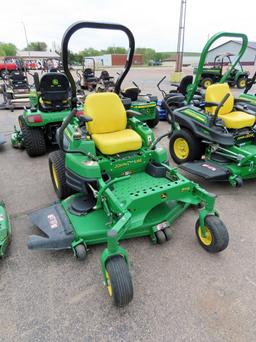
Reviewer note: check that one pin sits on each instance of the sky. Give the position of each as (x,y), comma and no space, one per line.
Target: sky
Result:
(153,23)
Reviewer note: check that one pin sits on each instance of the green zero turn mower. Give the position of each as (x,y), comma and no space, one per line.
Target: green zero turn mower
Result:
(5,229)
(146,104)
(218,140)
(121,184)
(213,74)
(50,103)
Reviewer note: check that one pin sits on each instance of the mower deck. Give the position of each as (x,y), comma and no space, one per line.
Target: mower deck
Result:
(92,226)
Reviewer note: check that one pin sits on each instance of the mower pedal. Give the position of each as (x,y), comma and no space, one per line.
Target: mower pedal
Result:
(53,222)
(207,170)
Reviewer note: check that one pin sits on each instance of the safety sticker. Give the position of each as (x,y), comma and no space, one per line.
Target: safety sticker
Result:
(210,167)
(53,223)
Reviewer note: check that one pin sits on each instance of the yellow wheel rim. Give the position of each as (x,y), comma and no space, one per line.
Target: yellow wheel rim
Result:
(207,84)
(207,240)
(181,148)
(109,287)
(55,178)
(242,83)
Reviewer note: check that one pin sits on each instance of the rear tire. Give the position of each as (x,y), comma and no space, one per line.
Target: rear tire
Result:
(168,115)
(119,281)
(33,138)
(58,177)
(206,82)
(185,147)
(152,123)
(241,82)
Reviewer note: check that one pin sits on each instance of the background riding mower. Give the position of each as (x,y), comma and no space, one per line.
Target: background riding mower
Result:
(49,105)
(146,105)
(217,141)
(125,188)
(88,80)
(213,74)
(105,82)
(176,98)
(5,229)
(15,90)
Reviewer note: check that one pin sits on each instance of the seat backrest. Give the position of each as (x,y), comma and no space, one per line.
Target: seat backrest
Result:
(54,86)
(216,93)
(187,80)
(88,72)
(107,112)
(104,75)
(132,93)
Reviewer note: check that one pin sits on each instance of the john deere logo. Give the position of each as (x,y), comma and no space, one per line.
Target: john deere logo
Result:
(55,82)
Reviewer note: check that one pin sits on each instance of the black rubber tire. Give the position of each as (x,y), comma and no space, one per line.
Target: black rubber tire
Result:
(57,159)
(33,137)
(219,234)
(168,233)
(239,182)
(241,82)
(160,237)
(204,80)
(196,147)
(168,115)
(80,251)
(152,123)
(120,280)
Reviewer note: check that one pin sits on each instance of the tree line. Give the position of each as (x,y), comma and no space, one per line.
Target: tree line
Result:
(9,49)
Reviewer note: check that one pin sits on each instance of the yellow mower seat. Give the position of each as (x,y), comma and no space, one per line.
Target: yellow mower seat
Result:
(108,125)
(232,119)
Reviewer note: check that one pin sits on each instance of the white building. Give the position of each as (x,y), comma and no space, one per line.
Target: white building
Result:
(233,47)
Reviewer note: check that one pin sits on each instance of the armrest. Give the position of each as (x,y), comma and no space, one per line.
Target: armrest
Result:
(142,129)
(175,85)
(132,113)
(210,104)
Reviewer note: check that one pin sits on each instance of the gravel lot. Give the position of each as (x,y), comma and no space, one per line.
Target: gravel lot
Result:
(182,293)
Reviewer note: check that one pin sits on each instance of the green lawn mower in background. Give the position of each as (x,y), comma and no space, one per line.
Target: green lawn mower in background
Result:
(5,229)
(114,183)
(50,103)
(146,104)
(213,74)
(216,140)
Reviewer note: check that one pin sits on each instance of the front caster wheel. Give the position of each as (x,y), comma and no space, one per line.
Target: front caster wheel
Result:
(119,281)
(216,238)
(80,251)
(168,233)
(160,237)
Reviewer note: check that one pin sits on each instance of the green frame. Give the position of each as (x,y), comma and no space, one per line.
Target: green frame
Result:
(192,88)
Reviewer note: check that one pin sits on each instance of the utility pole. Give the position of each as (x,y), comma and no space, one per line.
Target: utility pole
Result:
(180,46)
(26,37)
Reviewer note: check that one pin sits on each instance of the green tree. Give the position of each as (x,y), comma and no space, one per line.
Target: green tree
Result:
(8,49)
(115,50)
(89,52)
(36,46)
(147,53)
